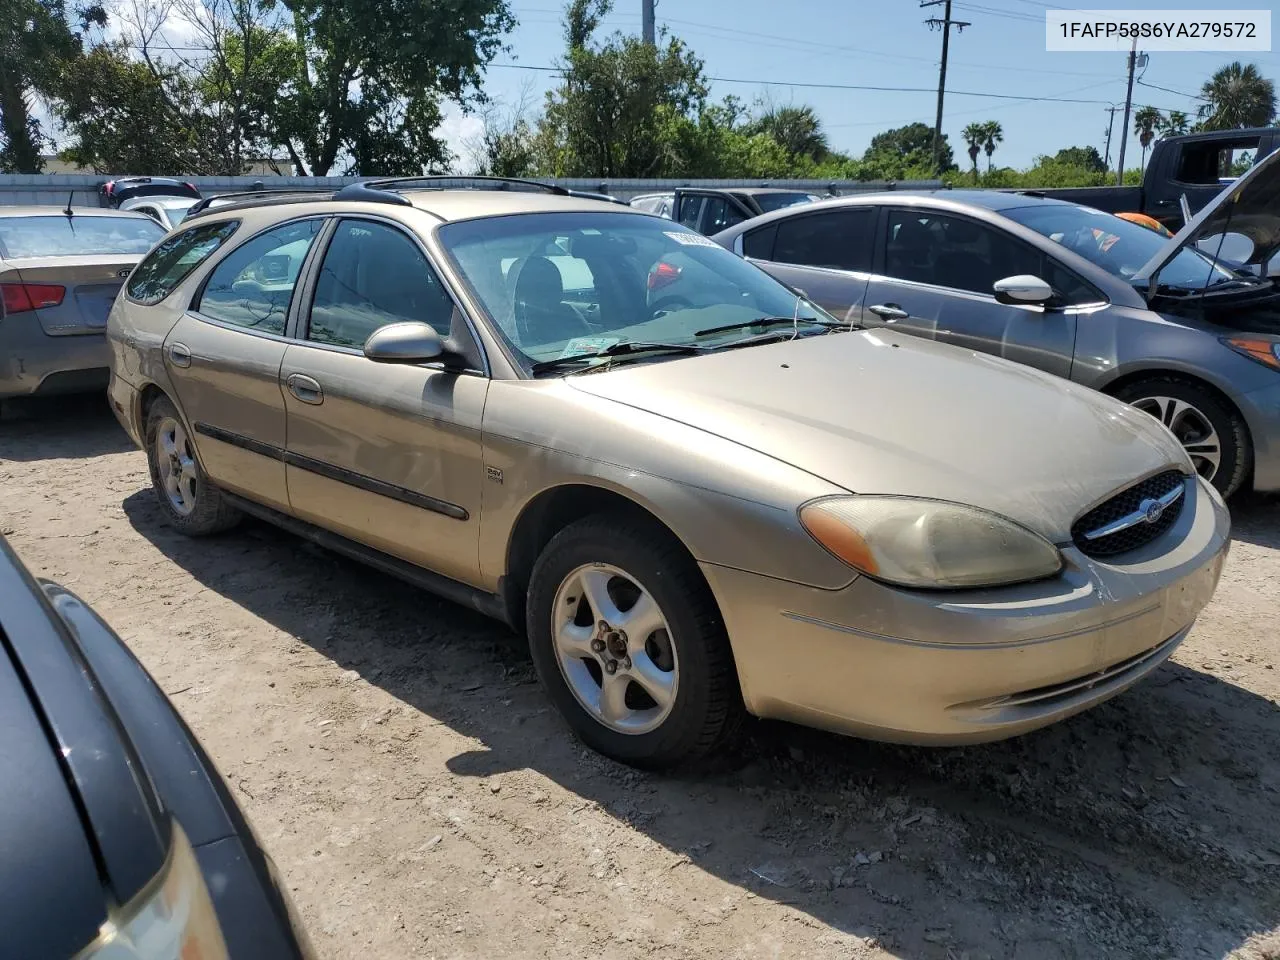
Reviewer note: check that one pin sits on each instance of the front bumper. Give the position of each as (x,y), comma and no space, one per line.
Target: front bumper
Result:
(964,667)
(34,363)
(1261,409)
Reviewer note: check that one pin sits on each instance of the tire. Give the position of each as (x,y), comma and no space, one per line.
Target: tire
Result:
(1186,408)
(198,509)
(705,712)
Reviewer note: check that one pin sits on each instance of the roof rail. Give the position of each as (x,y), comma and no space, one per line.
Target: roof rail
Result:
(253,198)
(380,191)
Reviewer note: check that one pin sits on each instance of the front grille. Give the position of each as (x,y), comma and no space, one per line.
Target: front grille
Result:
(1127,503)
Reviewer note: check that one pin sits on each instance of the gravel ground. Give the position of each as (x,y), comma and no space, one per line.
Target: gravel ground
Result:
(422,800)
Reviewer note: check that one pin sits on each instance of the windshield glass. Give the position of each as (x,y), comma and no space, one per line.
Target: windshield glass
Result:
(563,284)
(63,236)
(1118,246)
(177,210)
(776,201)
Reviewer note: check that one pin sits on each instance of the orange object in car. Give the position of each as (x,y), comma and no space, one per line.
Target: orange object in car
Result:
(1151,223)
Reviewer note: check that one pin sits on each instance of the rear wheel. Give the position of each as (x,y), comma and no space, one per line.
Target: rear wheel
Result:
(1213,434)
(191,503)
(629,645)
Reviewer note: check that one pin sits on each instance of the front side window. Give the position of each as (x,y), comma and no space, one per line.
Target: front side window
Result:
(690,208)
(253,285)
(169,263)
(840,239)
(650,281)
(1120,247)
(76,236)
(947,251)
(721,215)
(373,274)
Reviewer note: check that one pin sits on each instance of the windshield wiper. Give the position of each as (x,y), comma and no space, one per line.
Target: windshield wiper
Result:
(773,322)
(617,350)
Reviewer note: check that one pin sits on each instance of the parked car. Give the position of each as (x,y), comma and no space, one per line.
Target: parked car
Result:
(120,838)
(60,271)
(1195,166)
(163,199)
(1199,349)
(738,505)
(660,203)
(710,210)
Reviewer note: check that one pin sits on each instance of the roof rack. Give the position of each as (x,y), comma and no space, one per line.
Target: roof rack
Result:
(382,190)
(253,198)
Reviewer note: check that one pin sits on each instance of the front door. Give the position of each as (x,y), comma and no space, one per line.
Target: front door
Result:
(223,357)
(937,281)
(385,454)
(826,255)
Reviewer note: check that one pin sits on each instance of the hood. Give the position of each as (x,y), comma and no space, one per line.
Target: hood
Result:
(1249,206)
(883,413)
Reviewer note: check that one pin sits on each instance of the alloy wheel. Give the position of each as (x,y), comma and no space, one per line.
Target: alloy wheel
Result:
(1191,427)
(176,466)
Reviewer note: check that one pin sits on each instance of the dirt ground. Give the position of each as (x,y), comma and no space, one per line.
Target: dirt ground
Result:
(422,800)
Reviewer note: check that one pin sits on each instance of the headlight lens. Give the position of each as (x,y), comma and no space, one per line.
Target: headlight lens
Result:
(1266,352)
(928,543)
(172,919)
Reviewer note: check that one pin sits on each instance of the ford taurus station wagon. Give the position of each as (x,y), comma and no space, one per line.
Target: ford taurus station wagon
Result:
(732,503)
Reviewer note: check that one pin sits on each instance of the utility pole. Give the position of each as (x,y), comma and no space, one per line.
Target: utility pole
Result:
(946,23)
(646,22)
(1128,102)
(1111,123)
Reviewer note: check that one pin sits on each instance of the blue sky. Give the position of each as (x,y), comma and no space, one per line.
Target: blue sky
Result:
(886,43)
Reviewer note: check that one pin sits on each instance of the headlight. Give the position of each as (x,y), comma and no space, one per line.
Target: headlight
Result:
(1266,352)
(928,543)
(171,919)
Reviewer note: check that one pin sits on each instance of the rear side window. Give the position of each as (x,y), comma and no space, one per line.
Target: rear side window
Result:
(840,239)
(254,283)
(63,236)
(170,262)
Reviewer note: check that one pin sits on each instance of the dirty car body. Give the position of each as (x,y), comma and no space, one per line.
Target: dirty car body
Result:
(730,504)
(59,276)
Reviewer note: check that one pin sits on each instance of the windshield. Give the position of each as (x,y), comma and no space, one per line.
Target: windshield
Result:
(63,236)
(564,284)
(769,202)
(177,210)
(1118,246)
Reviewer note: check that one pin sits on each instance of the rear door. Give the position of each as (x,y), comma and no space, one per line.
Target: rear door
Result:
(224,358)
(387,454)
(825,254)
(71,268)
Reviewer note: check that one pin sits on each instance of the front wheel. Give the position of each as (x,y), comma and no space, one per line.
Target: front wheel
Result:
(629,645)
(1214,435)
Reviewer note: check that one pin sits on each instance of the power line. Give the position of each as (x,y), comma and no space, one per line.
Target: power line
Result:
(1179,93)
(945,24)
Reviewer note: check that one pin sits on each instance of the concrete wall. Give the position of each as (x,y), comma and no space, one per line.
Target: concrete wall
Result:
(54,189)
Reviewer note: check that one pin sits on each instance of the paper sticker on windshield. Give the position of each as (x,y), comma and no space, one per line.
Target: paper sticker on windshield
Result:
(583,346)
(690,239)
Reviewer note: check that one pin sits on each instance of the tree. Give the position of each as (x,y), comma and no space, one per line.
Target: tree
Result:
(973,137)
(37,39)
(506,145)
(620,101)
(1176,124)
(1237,96)
(368,77)
(1146,121)
(797,129)
(902,151)
(992,134)
(1086,158)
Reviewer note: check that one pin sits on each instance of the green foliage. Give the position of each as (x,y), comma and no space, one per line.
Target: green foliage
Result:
(1086,158)
(905,153)
(797,129)
(1237,96)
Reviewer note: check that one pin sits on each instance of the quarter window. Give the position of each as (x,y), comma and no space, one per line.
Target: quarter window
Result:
(840,239)
(253,285)
(169,263)
(953,252)
(373,275)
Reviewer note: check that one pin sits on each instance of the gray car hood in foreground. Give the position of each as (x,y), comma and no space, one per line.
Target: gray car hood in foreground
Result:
(878,412)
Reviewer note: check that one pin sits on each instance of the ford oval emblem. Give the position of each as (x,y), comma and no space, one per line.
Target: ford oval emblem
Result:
(1152,510)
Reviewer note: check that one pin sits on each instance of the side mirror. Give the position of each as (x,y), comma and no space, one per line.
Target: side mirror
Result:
(410,342)
(1023,289)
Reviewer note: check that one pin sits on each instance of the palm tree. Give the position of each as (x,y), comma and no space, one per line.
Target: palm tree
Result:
(1237,96)
(992,134)
(974,135)
(1176,124)
(798,129)
(1146,121)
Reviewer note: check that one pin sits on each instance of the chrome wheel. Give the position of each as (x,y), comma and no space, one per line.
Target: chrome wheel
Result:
(175,466)
(1192,428)
(614,648)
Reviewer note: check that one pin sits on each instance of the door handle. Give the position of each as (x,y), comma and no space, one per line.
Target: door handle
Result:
(180,354)
(304,388)
(889,312)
